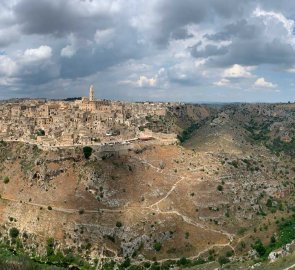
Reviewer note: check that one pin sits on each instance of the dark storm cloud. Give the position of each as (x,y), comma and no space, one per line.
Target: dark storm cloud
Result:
(239,29)
(8,37)
(254,52)
(251,44)
(97,57)
(32,74)
(58,18)
(181,33)
(209,50)
(175,14)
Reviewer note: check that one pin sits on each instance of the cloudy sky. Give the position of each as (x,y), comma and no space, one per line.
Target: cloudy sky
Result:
(173,50)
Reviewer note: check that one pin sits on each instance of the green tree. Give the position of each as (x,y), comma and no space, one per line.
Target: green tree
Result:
(269,202)
(13,232)
(219,187)
(6,180)
(50,247)
(119,224)
(223,260)
(258,246)
(40,132)
(87,150)
(157,246)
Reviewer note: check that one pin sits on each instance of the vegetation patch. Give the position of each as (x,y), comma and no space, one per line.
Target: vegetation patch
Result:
(187,133)
(87,151)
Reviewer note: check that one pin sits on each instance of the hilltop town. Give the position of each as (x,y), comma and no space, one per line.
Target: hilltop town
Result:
(84,121)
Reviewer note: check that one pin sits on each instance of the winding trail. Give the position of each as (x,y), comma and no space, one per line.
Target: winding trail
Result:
(153,207)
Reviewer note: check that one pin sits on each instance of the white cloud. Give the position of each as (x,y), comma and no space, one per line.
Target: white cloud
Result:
(262,83)
(143,81)
(5,81)
(68,51)
(42,53)
(8,67)
(103,36)
(238,71)
(272,18)
(222,82)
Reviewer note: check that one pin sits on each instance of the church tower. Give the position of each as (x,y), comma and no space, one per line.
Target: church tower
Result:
(91,93)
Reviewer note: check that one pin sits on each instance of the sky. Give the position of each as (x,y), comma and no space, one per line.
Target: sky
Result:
(156,50)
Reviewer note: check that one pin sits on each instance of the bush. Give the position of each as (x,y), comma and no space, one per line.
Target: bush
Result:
(40,132)
(258,246)
(125,264)
(269,202)
(229,253)
(13,232)
(198,261)
(49,207)
(186,235)
(187,133)
(87,150)
(50,247)
(223,260)
(6,179)
(219,187)
(119,224)
(157,246)
(162,165)
(183,261)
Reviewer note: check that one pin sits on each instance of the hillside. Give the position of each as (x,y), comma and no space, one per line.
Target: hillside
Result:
(229,183)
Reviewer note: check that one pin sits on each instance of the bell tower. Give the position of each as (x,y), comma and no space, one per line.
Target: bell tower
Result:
(91,93)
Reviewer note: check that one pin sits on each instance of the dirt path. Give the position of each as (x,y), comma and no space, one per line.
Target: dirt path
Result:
(290,267)
(153,207)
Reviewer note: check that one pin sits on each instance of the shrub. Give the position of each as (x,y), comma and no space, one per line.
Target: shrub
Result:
(269,202)
(241,230)
(223,260)
(242,245)
(50,247)
(13,232)
(183,261)
(49,207)
(162,165)
(272,240)
(119,224)
(258,246)
(198,261)
(87,150)
(6,179)
(125,264)
(157,246)
(3,143)
(40,132)
(186,235)
(229,253)
(81,211)
(219,187)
